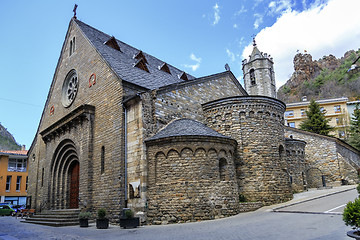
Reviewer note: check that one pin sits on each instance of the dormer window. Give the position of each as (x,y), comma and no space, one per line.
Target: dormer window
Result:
(72,46)
(252,77)
(183,76)
(165,68)
(142,65)
(112,43)
(140,55)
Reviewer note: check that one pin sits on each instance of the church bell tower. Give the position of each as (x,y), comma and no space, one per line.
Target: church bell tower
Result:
(258,74)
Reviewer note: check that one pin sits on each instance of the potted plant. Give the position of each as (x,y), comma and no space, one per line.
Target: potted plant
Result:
(128,220)
(101,221)
(351,217)
(84,219)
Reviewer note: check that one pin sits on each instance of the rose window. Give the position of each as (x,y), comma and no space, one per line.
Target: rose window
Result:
(69,89)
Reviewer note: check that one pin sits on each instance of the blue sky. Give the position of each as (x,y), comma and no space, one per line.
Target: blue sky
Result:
(199,37)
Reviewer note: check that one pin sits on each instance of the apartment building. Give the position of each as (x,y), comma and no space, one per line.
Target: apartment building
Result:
(13,176)
(334,109)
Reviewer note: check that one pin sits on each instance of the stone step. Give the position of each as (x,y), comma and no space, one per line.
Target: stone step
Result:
(53,224)
(56,218)
(52,219)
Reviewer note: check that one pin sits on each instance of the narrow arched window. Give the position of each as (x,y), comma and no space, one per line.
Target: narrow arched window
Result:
(222,169)
(252,77)
(102,159)
(73,44)
(71,47)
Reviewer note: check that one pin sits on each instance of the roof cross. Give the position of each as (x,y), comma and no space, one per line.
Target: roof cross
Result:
(75,7)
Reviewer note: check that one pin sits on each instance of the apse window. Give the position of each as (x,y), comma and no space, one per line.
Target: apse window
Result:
(222,169)
(69,88)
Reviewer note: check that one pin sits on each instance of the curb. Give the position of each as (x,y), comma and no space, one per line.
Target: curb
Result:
(310,199)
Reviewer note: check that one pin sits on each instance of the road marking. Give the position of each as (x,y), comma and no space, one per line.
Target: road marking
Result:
(335,208)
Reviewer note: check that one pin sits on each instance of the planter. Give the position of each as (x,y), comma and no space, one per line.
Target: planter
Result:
(129,222)
(353,235)
(84,222)
(102,223)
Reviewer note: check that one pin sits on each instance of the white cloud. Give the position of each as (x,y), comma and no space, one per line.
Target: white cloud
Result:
(241,11)
(323,29)
(258,20)
(235,25)
(193,57)
(277,7)
(195,66)
(216,14)
(231,55)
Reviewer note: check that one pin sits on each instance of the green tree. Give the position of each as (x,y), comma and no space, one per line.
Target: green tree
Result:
(316,121)
(354,131)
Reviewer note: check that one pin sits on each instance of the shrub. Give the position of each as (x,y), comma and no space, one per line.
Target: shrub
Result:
(129,214)
(84,215)
(351,215)
(101,213)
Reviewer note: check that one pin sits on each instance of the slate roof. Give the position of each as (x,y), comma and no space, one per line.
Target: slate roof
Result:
(186,127)
(123,61)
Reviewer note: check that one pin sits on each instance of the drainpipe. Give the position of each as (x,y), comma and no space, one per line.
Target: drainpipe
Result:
(125,153)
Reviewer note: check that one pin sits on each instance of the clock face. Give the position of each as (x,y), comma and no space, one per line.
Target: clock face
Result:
(69,89)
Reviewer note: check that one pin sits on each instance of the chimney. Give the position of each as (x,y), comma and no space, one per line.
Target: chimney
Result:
(23,148)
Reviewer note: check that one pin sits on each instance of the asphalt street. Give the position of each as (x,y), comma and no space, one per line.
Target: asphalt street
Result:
(307,220)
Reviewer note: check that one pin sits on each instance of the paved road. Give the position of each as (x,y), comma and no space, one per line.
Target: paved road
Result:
(333,204)
(261,224)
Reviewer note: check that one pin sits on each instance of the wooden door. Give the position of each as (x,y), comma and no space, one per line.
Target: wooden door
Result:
(74,185)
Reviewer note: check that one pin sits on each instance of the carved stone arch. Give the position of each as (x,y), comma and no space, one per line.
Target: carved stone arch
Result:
(64,156)
(198,151)
(212,150)
(160,157)
(172,151)
(222,153)
(184,150)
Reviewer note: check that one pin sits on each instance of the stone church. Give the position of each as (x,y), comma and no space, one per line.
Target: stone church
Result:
(121,128)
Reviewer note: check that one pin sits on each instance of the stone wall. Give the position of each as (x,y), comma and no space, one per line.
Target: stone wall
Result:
(103,188)
(185,101)
(258,126)
(295,158)
(328,157)
(191,179)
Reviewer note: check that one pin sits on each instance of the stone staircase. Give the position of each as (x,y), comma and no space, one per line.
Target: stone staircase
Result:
(55,218)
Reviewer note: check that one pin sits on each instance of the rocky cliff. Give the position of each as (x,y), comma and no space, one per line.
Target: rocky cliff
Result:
(7,141)
(324,78)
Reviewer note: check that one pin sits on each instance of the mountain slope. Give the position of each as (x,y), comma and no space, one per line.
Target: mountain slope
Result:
(7,141)
(327,77)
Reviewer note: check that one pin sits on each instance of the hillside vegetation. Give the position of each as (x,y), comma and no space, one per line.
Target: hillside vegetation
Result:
(325,78)
(7,141)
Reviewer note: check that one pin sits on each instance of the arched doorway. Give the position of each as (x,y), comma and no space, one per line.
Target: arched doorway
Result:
(74,185)
(64,190)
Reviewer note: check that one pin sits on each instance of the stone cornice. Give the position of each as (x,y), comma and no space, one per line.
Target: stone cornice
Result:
(73,118)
